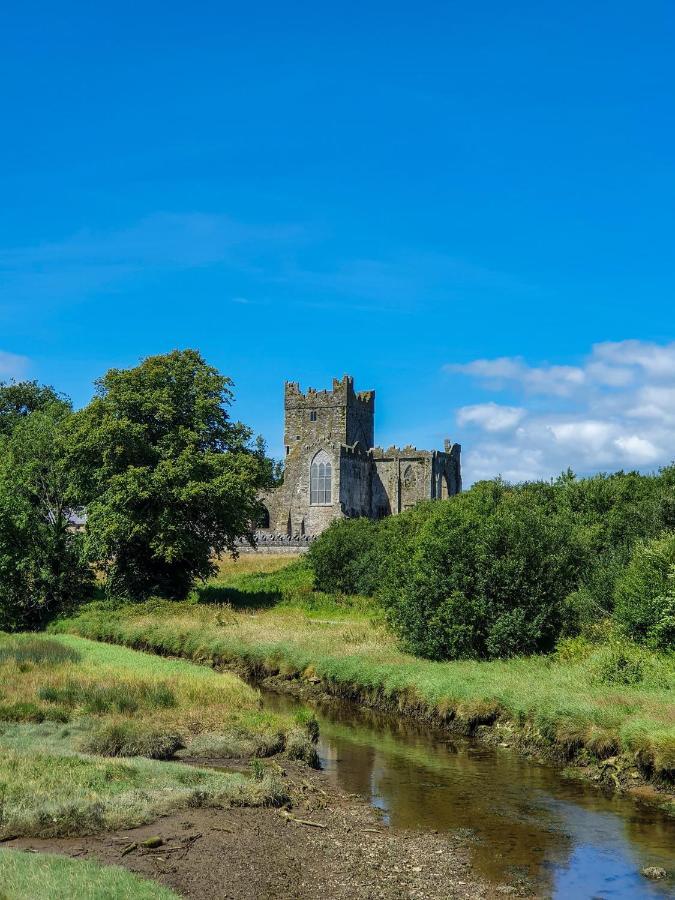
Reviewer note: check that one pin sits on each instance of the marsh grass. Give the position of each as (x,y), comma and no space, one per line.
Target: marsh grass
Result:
(125,737)
(47,793)
(33,650)
(27,876)
(129,695)
(82,728)
(601,699)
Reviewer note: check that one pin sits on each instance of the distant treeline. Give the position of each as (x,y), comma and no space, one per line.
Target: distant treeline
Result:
(509,569)
(165,475)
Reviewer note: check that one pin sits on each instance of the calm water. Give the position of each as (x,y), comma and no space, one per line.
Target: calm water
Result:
(567,838)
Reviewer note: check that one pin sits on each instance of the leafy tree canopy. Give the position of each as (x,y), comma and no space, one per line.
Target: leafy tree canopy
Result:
(42,567)
(20,398)
(168,477)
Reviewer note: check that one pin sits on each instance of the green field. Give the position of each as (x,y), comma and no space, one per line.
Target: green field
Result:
(606,699)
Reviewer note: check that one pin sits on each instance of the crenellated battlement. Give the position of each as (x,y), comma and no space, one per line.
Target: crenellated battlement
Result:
(351,477)
(342,393)
(355,450)
(410,451)
(340,414)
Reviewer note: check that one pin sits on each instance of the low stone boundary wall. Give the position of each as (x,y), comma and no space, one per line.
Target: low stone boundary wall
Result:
(267,542)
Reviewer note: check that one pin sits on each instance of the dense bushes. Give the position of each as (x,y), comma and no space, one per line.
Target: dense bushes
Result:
(645,593)
(42,564)
(502,570)
(345,559)
(485,575)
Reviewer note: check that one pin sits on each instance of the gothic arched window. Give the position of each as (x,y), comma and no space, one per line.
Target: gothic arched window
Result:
(320,479)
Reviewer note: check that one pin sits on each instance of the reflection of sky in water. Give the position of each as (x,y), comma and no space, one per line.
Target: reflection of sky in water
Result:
(571,839)
(377,800)
(603,862)
(602,872)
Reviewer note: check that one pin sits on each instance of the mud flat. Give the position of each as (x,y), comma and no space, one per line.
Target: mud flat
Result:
(347,851)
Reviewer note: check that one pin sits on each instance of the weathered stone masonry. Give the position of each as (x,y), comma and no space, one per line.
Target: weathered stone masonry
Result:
(333,471)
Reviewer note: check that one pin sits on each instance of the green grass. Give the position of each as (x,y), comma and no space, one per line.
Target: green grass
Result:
(588,698)
(283,582)
(48,790)
(31,876)
(78,718)
(122,692)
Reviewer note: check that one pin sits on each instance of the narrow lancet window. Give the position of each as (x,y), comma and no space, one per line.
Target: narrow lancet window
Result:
(320,490)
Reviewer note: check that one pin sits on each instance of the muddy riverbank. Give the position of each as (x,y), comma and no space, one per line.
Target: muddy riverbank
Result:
(619,773)
(264,854)
(400,808)
(564,837)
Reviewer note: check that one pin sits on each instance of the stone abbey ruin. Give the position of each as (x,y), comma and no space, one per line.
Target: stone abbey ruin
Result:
(333,471)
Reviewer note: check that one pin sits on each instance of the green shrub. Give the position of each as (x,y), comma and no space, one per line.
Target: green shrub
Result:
(485,574)
(621,664)
(344,561)
(645,593)
(125,738)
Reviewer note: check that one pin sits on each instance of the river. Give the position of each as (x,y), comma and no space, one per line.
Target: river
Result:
(566,838)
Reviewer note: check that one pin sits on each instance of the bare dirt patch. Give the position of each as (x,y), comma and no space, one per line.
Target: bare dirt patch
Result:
(328,845)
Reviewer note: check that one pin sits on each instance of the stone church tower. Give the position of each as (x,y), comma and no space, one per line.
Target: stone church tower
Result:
(332,470)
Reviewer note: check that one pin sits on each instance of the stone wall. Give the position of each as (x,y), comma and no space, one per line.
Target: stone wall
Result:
(269,542)
(365,480)
(356,475)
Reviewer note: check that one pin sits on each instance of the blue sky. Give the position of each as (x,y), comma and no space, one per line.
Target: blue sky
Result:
(470,207)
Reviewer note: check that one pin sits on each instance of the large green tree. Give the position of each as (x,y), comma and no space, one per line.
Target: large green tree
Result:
(169,479)
(42,567)
(19,399)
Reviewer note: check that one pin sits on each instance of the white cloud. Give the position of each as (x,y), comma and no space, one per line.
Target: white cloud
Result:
(639,450)
(657,360)
(616,409)
(491,416)
(556,380)
(590,436)
(12,366)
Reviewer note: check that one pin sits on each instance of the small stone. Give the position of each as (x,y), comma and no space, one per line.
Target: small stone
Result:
(653,872)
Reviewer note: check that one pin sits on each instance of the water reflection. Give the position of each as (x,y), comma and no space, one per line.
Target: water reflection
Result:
(567,837)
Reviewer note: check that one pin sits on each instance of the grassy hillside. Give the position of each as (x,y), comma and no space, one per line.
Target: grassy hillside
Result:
(604,700)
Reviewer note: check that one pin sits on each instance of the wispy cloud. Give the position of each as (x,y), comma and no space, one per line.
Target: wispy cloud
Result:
(90,260)
(560,380)
(614,410)
(12,365)
(410,280)
(269,256)
(491,416)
